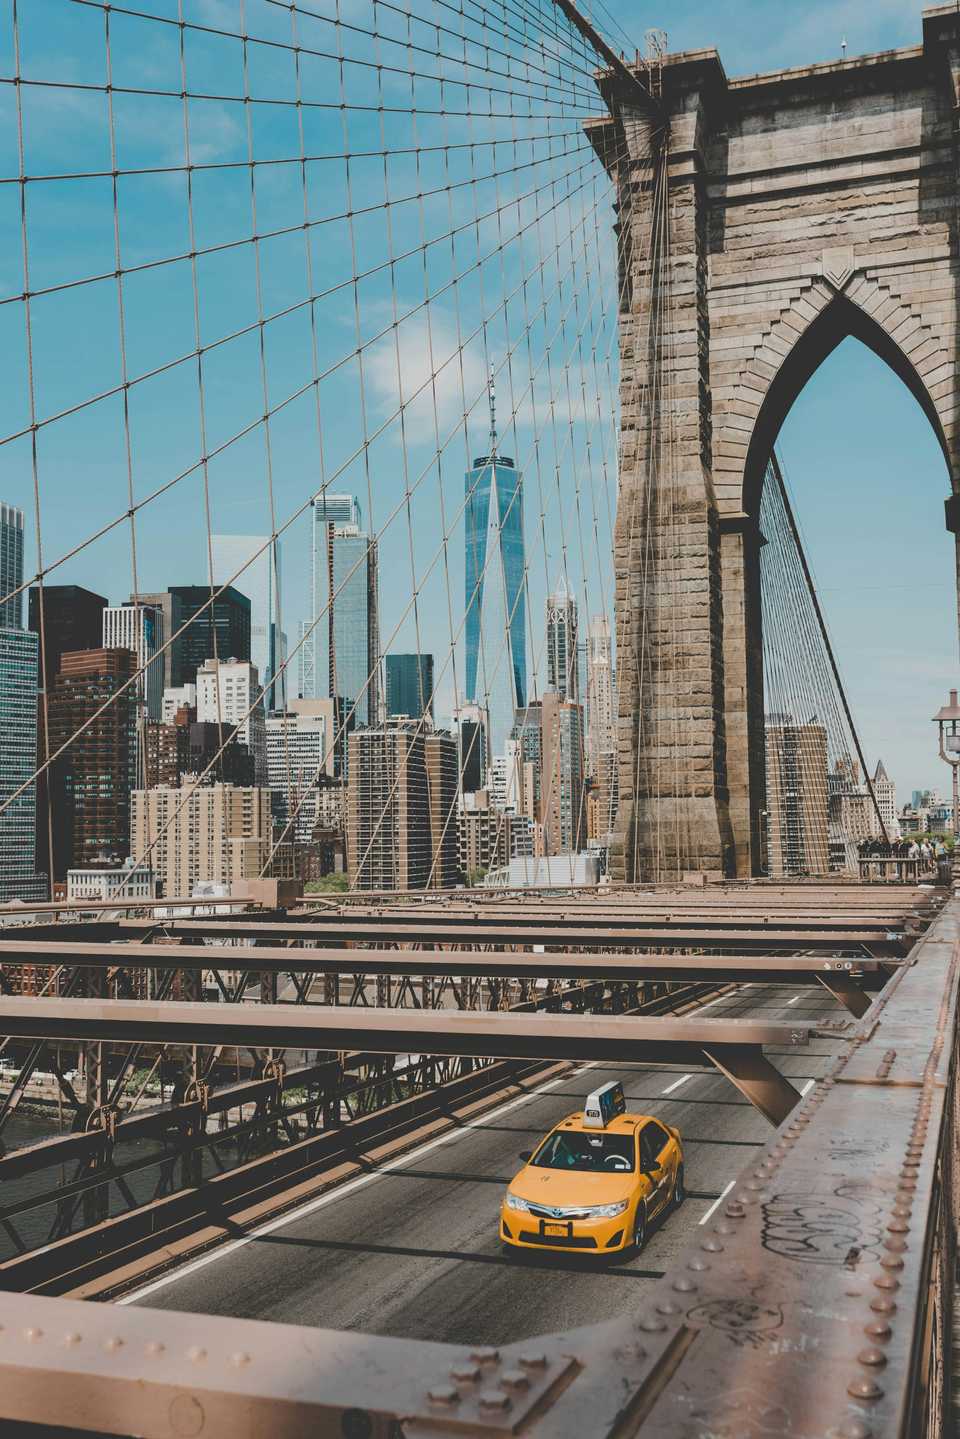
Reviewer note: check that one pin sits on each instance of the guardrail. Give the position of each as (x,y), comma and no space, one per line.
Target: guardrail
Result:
(817,1301)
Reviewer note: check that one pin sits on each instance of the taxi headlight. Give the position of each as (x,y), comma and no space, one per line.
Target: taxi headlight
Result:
(607,1211)
(515,1202)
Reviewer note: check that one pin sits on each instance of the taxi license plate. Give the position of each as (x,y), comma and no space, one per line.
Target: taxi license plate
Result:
(558,1229)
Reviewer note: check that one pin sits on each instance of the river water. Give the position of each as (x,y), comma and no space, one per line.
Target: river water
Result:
(33,1225)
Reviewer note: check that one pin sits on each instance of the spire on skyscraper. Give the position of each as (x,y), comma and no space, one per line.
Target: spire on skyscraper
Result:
(492,396)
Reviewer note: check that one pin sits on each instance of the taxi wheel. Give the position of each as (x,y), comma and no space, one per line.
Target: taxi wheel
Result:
(640,1228)
(679,1192)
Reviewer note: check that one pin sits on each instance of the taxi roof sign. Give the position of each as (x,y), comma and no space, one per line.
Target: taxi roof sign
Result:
(603,1105)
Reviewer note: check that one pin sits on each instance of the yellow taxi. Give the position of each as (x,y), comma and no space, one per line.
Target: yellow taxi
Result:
(596,1182)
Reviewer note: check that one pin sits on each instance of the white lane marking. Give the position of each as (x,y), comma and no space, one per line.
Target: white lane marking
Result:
(718,1201)
(794,999)
(808,1086)
(341,1191)
(718,999)
(677,1083)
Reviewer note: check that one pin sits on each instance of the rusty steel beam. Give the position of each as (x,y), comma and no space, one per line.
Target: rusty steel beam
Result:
(840,977)
(593,918)
(345,930)
(805,1306)
(492,1034)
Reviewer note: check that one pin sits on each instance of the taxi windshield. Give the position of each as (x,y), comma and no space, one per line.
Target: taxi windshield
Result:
(576,1149)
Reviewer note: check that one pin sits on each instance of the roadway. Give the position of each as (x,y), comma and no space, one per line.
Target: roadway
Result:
(412,1250)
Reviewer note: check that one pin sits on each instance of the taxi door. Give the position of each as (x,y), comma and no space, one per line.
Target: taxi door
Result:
(658,1162)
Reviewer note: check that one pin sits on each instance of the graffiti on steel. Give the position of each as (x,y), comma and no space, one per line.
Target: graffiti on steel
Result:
(823,1229)
(747,1322)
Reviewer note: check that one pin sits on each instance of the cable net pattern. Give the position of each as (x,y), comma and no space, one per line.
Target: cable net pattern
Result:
(280,258)
(821,804)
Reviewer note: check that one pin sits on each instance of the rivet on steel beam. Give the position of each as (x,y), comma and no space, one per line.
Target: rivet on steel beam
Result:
(872,1357)
(898,1226)
(650,1324)
(668,1306)
(465,1373)
(852,1429)
(533,1361)
(515,1379)
(725,1230)
(895,1246)
(154,1348)
(891,1261)
(886,1281)
(71,1339)
(882,1305)
(684,1285)
(33,1335)
(485,1354)
(878,1330)
(443,1394)
(239,1359)
(734,1211)
(113,1343)
(864,1389)
(698,1264)
(196,1354)
(496,1400)
(712,1246)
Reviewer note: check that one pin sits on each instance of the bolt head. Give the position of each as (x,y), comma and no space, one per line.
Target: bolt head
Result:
(864,1388)
(515,1379)
(533,1361)
(465,1373)
(485,1354)
(443,1394)
(495,1401)
(872,1357)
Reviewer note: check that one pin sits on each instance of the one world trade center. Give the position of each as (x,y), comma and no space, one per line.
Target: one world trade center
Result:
(496,618)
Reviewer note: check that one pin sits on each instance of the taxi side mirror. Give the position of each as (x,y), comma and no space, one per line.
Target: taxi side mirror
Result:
(526,1155)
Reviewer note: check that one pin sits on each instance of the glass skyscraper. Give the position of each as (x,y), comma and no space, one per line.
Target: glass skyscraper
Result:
(19,676)
(18,761)
(409,682)
(495,594)
(11,566)
(351,632)
(340,658)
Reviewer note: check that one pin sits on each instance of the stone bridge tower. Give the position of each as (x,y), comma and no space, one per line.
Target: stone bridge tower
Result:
(761,221)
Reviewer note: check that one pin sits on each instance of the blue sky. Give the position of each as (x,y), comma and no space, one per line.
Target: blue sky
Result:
(867,477)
